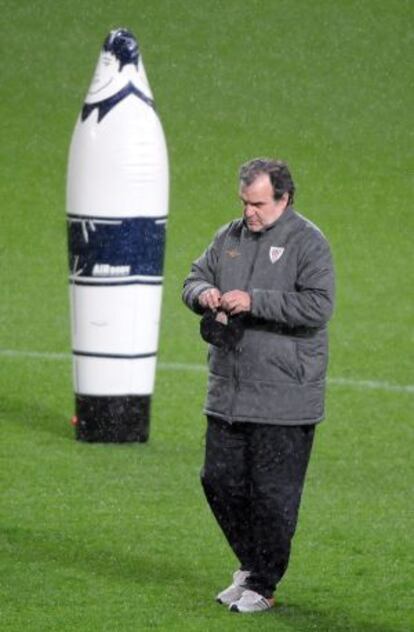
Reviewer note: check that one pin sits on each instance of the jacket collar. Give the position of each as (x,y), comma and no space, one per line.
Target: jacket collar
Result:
(282,219)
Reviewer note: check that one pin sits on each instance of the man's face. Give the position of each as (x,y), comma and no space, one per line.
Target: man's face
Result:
(260,209)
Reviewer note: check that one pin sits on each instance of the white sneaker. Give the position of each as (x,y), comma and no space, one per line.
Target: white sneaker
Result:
(235,590)
(251,601)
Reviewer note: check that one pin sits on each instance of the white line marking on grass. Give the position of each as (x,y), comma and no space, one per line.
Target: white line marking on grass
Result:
(371,384)
(184,366)
(49,355)
(43,355)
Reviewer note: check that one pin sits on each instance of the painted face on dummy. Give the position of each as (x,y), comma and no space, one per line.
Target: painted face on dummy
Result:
(260,209)
(119,63)
(106,70)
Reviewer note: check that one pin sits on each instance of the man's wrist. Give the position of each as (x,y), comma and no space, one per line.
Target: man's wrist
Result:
(203,289)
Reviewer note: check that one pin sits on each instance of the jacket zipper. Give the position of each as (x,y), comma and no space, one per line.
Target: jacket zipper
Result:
(236,352)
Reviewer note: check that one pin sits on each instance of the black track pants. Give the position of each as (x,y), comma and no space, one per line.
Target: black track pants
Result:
(253,478)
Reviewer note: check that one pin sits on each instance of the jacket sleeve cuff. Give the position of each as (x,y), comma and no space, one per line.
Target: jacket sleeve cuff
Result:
(196,293)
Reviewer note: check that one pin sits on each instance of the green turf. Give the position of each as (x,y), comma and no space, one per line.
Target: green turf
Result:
(119,537)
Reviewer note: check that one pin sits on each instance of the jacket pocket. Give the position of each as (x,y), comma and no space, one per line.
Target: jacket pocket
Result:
(312,355)
(219,361)
(282,358)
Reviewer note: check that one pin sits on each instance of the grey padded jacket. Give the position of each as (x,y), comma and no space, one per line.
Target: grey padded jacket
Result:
(277,373)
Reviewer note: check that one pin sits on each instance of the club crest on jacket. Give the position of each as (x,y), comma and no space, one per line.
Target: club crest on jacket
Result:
(275,252)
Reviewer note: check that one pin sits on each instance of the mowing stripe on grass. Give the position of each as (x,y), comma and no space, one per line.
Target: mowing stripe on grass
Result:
(183,366)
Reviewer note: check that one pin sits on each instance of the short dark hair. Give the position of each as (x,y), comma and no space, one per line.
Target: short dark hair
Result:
(278,172)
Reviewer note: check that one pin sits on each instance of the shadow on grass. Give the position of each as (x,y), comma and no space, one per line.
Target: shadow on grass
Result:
(300,618)
(35,415)
(28,546)
(65,552)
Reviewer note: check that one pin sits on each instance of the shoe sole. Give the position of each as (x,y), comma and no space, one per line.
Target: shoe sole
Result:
(234,608)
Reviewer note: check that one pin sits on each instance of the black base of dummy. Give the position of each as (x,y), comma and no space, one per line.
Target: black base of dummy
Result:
(112,419)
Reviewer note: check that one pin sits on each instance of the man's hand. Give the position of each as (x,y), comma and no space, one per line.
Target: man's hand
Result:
(235,302)
(210,299)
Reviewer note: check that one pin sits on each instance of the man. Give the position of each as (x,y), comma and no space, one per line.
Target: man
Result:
(271,274)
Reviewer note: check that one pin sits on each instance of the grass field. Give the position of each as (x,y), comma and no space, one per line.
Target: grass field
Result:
(99,538)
